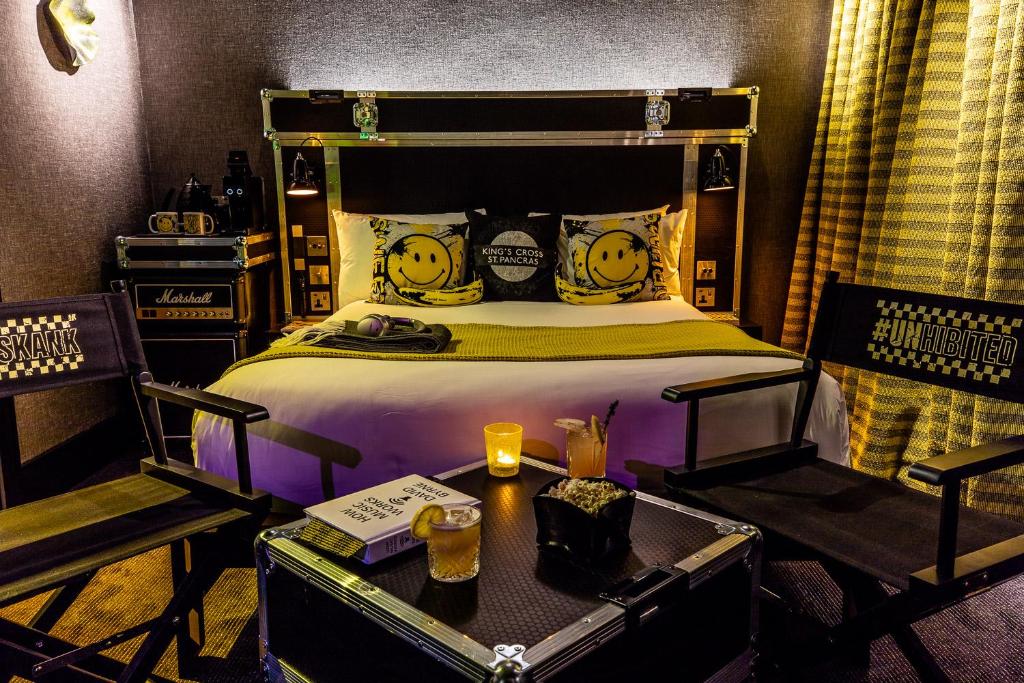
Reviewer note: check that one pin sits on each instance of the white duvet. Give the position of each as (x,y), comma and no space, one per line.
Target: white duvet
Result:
(338,425)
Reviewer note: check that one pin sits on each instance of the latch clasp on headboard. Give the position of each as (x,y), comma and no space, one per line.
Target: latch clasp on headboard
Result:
(365,114)
(657,110)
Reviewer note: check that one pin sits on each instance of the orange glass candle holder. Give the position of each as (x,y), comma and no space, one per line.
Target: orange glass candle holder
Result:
(504,441)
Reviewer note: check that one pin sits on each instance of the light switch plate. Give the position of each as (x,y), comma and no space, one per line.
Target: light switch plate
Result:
(319,275)
(296,231)
(707,270)
(316,245)
(705,296)
(320,301)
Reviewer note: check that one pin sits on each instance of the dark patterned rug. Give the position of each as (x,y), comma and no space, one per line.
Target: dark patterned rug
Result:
(979,640)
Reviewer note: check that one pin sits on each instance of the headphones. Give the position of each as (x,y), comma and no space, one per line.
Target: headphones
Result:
(378,325)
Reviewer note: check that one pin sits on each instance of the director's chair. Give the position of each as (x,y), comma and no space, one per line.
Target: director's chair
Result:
(59,543)
(864,530)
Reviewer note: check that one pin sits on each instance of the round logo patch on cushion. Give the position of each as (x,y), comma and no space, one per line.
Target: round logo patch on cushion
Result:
(515,256)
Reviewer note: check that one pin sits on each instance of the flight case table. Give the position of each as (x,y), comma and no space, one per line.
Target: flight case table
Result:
(677,606)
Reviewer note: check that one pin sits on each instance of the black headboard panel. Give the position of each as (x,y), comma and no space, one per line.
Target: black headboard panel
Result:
(510,179)
(582,152)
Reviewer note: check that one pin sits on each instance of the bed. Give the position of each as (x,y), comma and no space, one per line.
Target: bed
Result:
(339,425)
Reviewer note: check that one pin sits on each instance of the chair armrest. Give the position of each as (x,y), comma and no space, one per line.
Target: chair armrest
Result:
(970,462)
(735,384)
(207,401)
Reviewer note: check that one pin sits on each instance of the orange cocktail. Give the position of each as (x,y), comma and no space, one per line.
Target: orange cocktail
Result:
(585,453)
(453,546)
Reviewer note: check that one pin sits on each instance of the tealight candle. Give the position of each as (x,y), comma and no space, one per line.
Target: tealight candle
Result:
(504,441)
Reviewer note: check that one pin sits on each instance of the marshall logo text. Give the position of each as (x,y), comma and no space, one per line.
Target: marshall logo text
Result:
(42,345)
(171,298)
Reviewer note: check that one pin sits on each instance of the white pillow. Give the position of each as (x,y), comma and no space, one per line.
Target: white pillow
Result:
(670,232)
(355,248)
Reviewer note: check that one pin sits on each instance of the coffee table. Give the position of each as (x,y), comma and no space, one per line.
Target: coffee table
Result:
(678,604)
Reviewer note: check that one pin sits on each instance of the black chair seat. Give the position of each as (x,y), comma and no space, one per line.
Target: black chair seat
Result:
(51,541)
(879,527)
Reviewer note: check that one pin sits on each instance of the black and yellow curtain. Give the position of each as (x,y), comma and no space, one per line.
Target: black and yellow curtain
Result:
(917,182)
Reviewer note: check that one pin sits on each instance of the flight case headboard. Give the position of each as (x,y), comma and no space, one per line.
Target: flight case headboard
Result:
(581,152)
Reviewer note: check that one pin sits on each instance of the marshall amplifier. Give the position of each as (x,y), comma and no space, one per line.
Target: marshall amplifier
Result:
(194,302)
(194,360)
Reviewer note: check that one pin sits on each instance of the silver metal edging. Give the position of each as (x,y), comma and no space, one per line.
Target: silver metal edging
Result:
(467,468)
(385,142)
(691,175)
(142,241)
(258,238)
(693,512)
(332,178)
(298,137)
(720,555)
(741,200)
(569,644)
(188,265)
(269,94)
(421,630)
(284,241)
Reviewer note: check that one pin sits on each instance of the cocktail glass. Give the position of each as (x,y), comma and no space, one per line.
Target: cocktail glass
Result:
(453,547)
(585,454)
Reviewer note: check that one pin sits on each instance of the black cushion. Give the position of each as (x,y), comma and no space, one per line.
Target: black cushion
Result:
(515,256)
(880,527)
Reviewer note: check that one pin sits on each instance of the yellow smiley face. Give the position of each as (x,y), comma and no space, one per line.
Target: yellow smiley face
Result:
(617,257)
(419,261)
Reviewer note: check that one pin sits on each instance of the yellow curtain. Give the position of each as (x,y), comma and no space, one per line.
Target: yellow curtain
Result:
(916,182)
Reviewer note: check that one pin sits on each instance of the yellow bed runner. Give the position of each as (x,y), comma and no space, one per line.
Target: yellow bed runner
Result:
(476,342)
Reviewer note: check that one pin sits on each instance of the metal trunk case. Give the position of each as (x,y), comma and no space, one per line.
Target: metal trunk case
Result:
(679,605)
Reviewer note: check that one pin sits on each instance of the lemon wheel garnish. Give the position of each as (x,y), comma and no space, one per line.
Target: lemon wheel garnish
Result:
(420,525)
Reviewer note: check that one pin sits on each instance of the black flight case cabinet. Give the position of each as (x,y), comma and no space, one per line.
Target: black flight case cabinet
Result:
(678,606)
(201,303)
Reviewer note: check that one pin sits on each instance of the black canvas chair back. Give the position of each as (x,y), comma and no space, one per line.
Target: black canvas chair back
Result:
(59,342)
(952,342)
(863,529)
(61,542)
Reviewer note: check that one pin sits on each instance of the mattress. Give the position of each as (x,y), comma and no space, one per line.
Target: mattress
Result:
(339,425)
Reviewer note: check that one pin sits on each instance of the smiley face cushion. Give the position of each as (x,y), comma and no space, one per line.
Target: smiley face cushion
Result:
(420,264)
(613,253)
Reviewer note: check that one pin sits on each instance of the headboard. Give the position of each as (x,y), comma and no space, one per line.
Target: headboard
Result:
(510,152)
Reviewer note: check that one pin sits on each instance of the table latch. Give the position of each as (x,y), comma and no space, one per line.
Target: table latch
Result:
(646,592)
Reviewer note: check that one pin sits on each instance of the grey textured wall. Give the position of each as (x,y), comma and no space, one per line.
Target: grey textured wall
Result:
(73,173)
(204,63)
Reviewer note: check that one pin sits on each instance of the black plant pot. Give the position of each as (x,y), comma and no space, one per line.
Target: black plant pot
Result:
(563,527)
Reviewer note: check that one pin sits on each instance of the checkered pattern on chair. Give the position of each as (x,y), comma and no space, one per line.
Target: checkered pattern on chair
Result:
(50,339)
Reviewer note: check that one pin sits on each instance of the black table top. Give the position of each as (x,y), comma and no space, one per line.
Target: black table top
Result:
(522,595)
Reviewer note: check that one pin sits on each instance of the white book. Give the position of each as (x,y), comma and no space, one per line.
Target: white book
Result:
(378,518)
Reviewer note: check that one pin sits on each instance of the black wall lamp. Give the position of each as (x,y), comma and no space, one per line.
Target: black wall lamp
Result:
(718,176)
(303,184)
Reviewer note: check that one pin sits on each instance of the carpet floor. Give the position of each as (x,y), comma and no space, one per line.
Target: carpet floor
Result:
(979,640)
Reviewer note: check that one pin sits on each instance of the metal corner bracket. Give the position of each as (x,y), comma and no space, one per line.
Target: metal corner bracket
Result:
(751,130)
(508,661)
(754,92)
(266,93)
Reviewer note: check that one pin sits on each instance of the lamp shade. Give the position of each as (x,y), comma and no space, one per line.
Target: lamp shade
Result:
(302,184)
(718,177)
